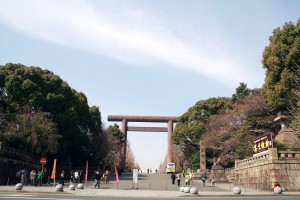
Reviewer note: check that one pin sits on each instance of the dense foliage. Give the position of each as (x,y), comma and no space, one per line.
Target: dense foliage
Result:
(191,125)
(42,114)
(279,59)
(226,125)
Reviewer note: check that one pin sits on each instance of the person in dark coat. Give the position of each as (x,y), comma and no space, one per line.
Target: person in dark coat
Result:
(173,177)
(80,175)
(97,179)
(18,176)
(203,178)
(62,178)
(178,177)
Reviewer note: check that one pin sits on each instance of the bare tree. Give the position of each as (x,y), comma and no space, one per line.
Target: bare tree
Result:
(38,130)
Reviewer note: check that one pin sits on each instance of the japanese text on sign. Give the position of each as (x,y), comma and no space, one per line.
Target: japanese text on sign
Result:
(262,144)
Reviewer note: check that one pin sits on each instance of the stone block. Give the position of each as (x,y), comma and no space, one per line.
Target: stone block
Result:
(237,190)
(72,187)
(186,189)
(181,189)
(80,186)
(194,190)
(59,188)
(19,186)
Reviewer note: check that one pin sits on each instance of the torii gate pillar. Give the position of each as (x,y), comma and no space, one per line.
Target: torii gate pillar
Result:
(125,119)
(124,130)
(170,143)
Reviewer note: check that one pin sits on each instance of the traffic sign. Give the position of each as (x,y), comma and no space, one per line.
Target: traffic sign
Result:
(43,161)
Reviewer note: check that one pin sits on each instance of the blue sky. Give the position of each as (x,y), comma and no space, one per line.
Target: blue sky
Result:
(153,58)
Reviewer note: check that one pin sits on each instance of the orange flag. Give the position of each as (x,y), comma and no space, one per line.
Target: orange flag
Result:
(53,175)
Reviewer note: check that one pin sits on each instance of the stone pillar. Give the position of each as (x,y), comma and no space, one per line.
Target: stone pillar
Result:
(273,154)
(124,130)
(202,157)
(170,143)
(286,135)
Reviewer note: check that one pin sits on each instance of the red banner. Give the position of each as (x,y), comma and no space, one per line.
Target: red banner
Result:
(86,171)
(117,175)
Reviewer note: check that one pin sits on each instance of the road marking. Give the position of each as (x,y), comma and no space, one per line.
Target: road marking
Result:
(17,195)
(26,196)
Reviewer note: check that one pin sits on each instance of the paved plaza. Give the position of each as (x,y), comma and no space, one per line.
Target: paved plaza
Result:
(149,185)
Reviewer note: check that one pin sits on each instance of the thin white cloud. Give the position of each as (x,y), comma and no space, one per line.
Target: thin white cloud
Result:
(131,36)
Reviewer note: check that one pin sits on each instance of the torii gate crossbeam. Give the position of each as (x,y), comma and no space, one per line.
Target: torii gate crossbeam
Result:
(158,119)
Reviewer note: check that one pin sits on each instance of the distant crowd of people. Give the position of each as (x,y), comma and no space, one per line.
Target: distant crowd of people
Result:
(42,177)
(188,177)
(76,176)
(35,177)
(149,171)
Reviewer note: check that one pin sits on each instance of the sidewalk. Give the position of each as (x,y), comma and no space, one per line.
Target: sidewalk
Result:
(218,190)
(94,192)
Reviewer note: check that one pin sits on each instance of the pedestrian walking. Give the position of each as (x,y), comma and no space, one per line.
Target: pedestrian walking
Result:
(24,177)
(203,178)
(187,179)
(103,178)
(178,177)
(80,175)
(62,178)
(191,176)
(18,176)
(46,176)
(39,177)
(107,174)
(173,177)
(32,176)
(76,175)
(72,179)
(97,179)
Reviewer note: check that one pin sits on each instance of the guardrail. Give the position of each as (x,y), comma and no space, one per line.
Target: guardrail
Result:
(253,160)
(288,154)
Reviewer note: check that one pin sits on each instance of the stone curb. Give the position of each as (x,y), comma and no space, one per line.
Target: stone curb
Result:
(137,193)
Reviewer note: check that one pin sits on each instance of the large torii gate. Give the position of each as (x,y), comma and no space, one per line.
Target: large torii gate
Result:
(158,119)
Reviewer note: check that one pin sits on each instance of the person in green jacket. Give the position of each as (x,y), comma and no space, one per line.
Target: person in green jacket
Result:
(39,177)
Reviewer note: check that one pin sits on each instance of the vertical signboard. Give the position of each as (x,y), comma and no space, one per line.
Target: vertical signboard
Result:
(262,144)
(135,176)
(202,157)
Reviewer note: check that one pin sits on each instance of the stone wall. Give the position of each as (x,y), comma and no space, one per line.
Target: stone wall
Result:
(230,174)
(9,167)
(262,171)
(11,160)
(217,173)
